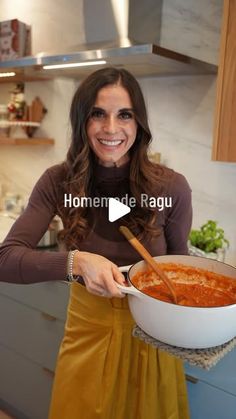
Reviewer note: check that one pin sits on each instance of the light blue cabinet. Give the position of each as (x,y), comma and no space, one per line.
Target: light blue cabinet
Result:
(212,394)
(32,319)
(208,402)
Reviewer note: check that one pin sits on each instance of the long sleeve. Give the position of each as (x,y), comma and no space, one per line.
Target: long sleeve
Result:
(19,261)
(179,216)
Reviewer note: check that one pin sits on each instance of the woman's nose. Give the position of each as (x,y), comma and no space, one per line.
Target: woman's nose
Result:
(110,125)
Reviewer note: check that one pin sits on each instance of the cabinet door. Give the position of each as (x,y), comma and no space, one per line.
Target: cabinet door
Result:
(208,402)
(224,147)
(222,375)
(51,297)
(24,385)
(34,334)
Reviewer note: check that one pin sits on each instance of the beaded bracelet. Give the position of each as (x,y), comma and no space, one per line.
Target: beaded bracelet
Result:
(70,261)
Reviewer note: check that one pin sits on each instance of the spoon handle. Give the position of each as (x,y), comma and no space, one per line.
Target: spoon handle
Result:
(148,258)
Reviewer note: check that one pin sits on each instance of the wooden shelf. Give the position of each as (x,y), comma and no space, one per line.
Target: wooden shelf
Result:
(26,141)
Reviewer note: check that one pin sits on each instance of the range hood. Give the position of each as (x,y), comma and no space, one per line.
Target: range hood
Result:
(129,39)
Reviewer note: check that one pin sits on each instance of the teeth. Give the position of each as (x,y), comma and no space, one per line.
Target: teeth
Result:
(110,143)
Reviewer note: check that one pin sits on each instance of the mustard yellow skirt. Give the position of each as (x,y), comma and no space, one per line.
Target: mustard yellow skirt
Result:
(103,372)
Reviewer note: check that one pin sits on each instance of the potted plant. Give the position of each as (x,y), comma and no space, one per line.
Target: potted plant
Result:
(209,241)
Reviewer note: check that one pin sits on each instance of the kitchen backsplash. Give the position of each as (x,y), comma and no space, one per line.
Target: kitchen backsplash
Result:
(181,111)
(192,27)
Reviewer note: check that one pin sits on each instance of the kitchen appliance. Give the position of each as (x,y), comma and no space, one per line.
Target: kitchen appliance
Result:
(182,326)
(124,33)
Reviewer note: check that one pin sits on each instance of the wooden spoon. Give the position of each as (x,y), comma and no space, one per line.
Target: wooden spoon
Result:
(149,259)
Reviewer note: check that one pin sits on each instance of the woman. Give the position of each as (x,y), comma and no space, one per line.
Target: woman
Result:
(102,371)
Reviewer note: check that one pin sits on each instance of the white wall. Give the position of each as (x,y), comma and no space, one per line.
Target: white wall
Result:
(181,111)
(192,27)
(55,24)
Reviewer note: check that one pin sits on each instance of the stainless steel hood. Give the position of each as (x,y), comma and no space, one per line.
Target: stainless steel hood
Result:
(128,39)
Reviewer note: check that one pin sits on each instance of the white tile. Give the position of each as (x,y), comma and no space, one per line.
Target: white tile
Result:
(192,27)
(181,113)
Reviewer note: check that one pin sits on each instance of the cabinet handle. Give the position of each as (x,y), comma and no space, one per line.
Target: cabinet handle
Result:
(48,316)
(48,371)
(192,379)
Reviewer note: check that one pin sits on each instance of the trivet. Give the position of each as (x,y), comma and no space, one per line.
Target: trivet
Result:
(204,358)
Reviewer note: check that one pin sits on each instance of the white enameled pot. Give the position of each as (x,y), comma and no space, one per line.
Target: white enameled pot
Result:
(187,327)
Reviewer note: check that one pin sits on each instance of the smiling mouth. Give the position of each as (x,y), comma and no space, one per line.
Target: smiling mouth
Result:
(110,143)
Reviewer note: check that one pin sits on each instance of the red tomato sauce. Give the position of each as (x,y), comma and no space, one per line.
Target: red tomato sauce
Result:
(194,287)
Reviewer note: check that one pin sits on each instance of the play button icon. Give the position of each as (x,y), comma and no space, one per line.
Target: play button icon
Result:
(116,209)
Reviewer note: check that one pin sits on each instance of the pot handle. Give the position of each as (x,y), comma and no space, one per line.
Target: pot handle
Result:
(129,290)
(124,268)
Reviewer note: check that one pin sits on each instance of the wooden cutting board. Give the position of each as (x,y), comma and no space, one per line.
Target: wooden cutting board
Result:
(36,111)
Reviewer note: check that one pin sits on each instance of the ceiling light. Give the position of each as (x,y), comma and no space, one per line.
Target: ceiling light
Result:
(11,74)
(69,65)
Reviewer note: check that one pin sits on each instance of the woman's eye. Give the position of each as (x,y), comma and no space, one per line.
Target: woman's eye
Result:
(97,114)
(126,115)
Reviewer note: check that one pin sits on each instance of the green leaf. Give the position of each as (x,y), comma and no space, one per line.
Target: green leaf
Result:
(209,237)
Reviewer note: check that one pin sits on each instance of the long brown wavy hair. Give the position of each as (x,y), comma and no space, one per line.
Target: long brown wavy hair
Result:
(145,176)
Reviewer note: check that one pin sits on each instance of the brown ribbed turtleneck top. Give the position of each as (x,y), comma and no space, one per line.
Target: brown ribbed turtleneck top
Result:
(20,262)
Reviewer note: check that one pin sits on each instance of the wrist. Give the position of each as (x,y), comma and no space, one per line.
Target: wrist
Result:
(72,271)
(75,266)
(79,260)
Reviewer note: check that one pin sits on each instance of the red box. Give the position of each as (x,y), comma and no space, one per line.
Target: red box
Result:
(14,39)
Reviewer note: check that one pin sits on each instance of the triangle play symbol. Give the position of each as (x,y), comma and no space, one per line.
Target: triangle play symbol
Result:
(116,209)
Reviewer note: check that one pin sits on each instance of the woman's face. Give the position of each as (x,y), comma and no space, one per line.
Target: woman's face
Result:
(112,128)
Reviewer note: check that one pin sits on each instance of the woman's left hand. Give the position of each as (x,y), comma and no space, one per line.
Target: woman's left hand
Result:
(99,273)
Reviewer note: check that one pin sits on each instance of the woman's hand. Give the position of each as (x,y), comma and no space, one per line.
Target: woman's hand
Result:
(100,274)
